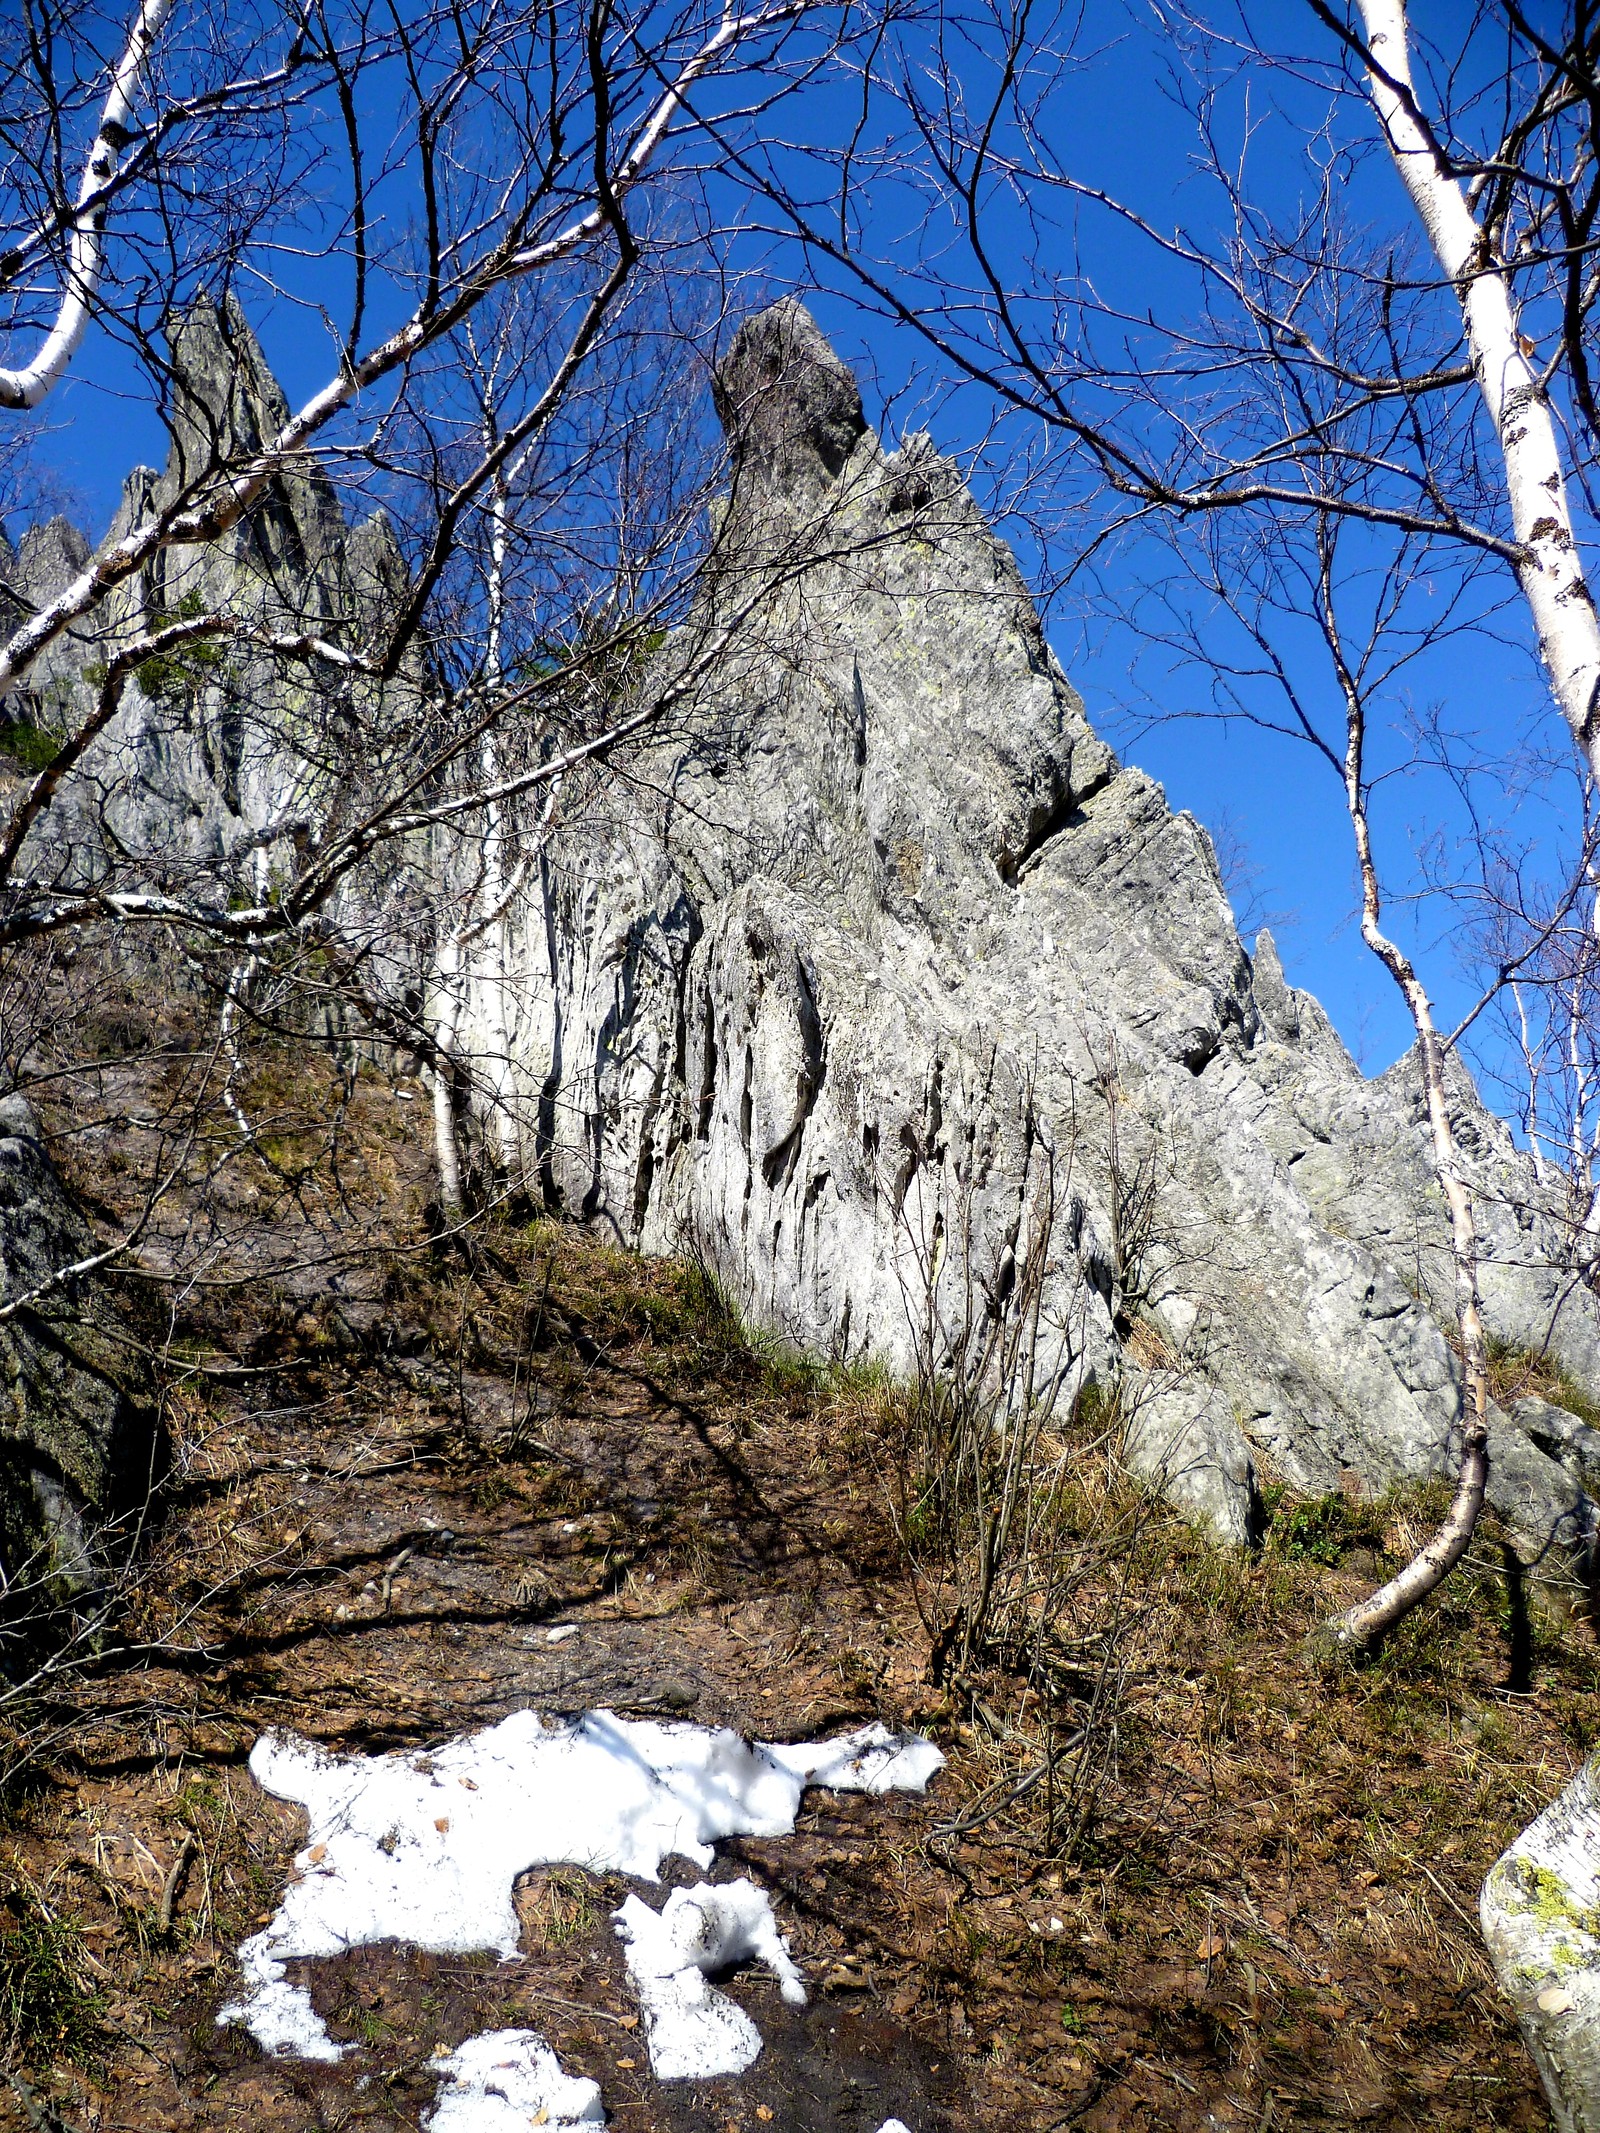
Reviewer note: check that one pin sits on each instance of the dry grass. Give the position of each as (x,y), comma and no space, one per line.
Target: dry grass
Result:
(1262,1917)
(1517,1373)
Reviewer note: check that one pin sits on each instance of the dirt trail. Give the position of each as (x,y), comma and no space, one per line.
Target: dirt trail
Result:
(409,1530)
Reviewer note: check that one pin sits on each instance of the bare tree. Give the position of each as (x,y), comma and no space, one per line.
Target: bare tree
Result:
(364,711)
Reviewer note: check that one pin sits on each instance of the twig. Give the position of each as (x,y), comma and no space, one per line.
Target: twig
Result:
(390,1575)
(42,2115)
(1471,1922)
(1154,2066)
(996,1797)
(169,1887)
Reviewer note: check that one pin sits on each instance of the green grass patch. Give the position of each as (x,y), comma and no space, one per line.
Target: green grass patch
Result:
(1520,1373)
(50,2015)
(34,747)
(1323,1529)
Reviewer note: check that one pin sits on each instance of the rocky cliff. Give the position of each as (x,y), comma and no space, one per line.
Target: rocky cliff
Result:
(216,759)
(885,986)
(876,978)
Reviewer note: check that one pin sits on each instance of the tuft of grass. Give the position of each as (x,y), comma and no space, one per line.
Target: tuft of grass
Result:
(561,1906)
(1324,1529)
(1518,1373)
(34,747)
(371,2027)
(166,674)
(50,2014)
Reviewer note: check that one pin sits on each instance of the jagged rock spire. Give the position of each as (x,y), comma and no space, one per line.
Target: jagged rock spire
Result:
(886,984)
(790,407)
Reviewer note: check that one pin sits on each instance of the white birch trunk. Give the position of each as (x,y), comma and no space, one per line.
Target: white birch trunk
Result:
(446,1022)
(1540,1912)
(1551,572)
(497,894)
(28,386)
(1364,1625)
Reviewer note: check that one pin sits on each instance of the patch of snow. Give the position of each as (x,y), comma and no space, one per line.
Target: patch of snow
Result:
(425,1847)
(506,2081)
(893,2125)
(278,2015)
(870,1760)
(692,2031)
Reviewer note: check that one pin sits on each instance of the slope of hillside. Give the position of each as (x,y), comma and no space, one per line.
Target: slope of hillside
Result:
(420,1486)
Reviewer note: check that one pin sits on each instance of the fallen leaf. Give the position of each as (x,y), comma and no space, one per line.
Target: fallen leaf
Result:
(442,1824)
(1210,1946)
(628,2063)
(763,2113)
(472,1786)
(316,1855)
(627,2021)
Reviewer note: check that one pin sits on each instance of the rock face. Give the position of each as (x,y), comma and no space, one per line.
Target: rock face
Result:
(79,1441)
(874,976)
(885,986)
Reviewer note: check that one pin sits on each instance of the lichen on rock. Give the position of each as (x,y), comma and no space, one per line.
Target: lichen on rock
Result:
(1540,1911)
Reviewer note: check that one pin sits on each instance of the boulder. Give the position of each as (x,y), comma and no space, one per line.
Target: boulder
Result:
(883,984)
(80,1445)
(1540,1911)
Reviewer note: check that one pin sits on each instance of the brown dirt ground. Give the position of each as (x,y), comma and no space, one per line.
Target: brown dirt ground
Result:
(397,1465)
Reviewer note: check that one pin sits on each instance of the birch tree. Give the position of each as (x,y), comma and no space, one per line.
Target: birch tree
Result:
(1472,252)
(26,386)
(473,213)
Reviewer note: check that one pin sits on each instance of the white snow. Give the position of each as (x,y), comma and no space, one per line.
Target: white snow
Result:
(870,1760)
(278,2015)
(694,2032)
(893,2125)
(425,1848)
(506,2081)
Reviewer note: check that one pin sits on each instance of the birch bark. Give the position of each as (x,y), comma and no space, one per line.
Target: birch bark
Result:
(28,386)
(1363,1626)
(1550,568)
(1540,1911)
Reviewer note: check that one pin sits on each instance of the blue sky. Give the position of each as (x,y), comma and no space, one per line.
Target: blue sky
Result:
(1269,797)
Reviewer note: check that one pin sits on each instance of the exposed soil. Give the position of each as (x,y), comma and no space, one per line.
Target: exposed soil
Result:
(399,1466)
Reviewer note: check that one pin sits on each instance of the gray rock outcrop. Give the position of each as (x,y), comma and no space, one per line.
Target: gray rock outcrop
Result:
(217,759)
(80,1445)
(882,983)
(873,975)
